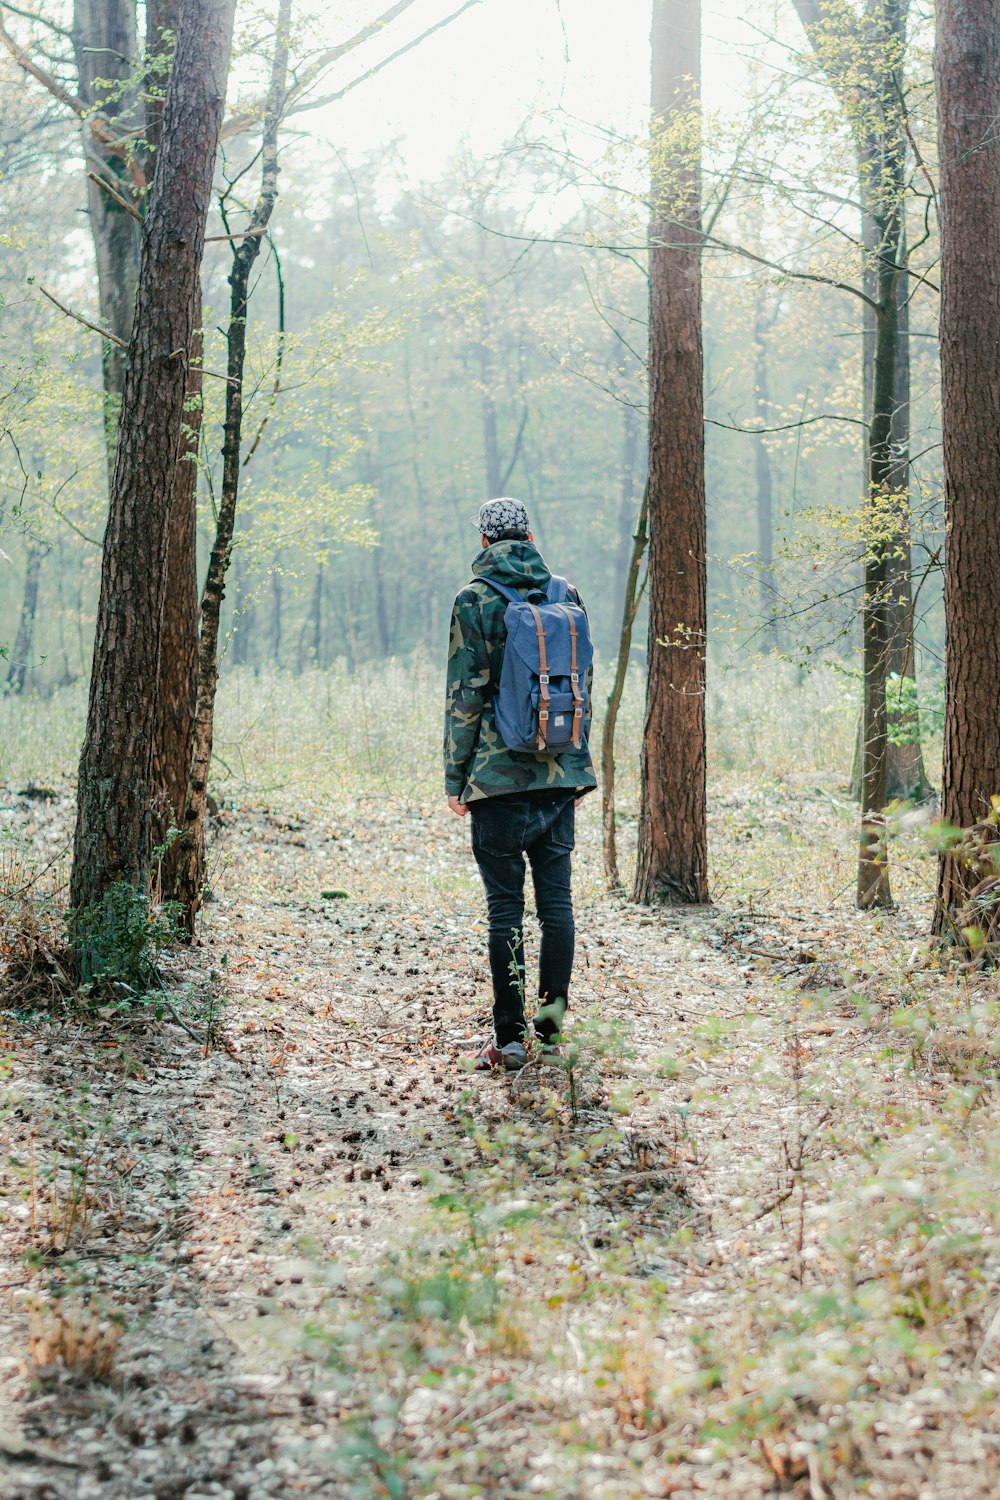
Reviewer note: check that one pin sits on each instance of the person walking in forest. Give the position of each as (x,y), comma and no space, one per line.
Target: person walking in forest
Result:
(516,758)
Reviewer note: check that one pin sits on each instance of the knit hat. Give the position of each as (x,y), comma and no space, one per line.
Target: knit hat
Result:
(498,517)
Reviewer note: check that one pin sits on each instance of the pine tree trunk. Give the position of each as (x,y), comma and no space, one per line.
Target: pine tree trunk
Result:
(173,735)
(967,74)
(673,841)
(20,660)
(115,783)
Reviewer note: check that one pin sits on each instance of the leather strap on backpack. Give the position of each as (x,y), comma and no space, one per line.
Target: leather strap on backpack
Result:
(574,677)
(543,678)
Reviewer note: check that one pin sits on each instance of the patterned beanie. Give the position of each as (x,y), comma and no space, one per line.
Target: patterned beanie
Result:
(497,518)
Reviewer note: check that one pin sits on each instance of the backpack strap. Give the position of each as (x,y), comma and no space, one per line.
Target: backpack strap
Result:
(557,591)
(543,678)
(511,595)
(574,677)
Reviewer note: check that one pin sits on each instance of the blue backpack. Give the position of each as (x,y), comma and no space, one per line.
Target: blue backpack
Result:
(541,700)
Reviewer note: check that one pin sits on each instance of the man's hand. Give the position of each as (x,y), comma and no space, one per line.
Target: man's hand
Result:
(458,806)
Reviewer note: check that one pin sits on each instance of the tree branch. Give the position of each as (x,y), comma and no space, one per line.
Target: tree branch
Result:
(98,127)
(112,338)
(28,15)
(78,318)
(377,67)
(247,121)
(116,197)
(823,416)
(55,88)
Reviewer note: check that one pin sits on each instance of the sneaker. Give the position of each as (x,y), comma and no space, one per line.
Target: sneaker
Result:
(549,1052)
(511,1058)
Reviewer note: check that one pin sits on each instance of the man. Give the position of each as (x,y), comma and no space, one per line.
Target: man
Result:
(521,803)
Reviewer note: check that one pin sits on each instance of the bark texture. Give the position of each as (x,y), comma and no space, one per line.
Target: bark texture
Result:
(173,735)
(113,812)
(673,842)
(177,687)
(967,75)
(191,860)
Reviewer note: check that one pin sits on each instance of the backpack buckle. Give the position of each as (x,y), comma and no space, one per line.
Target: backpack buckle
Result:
(574,677)
(543,677)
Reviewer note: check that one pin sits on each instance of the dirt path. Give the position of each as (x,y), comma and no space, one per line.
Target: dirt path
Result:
(340,1266)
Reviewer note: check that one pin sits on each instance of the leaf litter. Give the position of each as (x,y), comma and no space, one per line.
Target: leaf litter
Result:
(744,1241)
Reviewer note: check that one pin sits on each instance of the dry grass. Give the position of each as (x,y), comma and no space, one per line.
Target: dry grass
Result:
(67,1334)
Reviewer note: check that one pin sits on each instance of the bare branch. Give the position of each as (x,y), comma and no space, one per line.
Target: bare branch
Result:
(112,338)
(116,197)
(824,416)
(244,234)
(78,318)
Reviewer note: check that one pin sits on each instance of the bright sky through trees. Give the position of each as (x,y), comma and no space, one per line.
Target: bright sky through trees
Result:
(480,78)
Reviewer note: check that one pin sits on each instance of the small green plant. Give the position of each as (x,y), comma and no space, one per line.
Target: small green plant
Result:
(117,942)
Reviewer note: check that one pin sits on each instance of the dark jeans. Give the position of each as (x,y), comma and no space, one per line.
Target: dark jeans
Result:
(540,825)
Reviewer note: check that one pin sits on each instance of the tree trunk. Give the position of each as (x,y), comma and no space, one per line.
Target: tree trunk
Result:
(673,839)
(371,475)
(115,783)
(882,512)
(863,60)
(631,438)
(488,410)
(243,614)
(173,735)
(765,488)
(906,778)
(191,863)
(630,607)
(20,660)
(104,42)
(277,618)
(967,74)
(317,616)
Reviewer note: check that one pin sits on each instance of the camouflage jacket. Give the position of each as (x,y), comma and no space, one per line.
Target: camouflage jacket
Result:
(477,763)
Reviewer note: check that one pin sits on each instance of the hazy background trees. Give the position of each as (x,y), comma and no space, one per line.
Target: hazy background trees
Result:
(419,342)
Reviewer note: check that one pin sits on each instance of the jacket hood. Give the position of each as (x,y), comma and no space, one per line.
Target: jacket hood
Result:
(519,565)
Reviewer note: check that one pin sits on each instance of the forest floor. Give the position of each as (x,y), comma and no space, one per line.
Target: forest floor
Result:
(744,1242)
